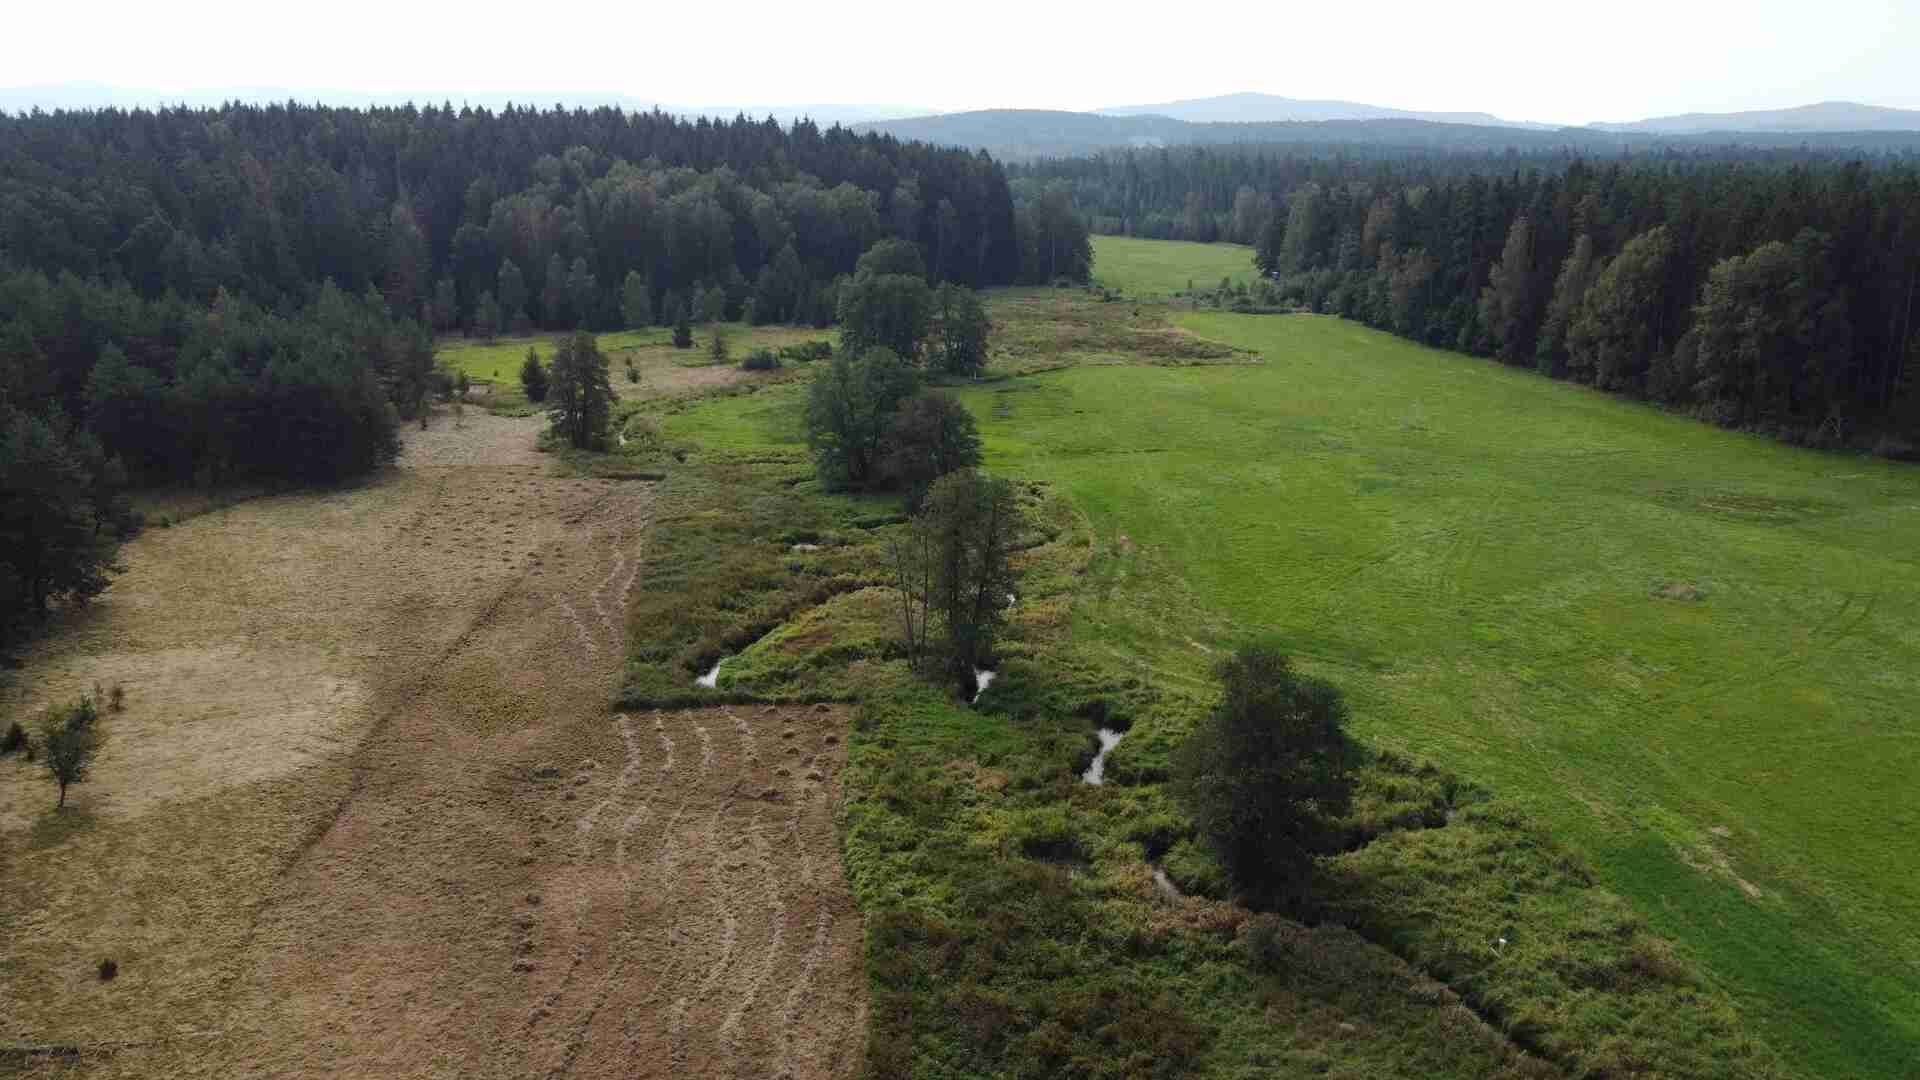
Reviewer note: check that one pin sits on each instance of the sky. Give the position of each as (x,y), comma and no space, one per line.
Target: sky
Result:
(1518,59)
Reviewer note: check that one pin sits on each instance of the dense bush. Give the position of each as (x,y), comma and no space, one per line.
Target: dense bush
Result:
(1266,775)
(932,435)
(760,360)
(850,411)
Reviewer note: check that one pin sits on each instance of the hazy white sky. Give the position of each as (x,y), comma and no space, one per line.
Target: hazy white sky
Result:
(1520,59)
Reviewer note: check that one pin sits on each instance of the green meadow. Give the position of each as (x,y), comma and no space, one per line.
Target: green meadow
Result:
(1159,267)
(649,351)
(1693,653)
(1690,654)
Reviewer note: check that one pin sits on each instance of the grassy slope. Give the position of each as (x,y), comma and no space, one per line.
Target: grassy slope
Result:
(1013,929)
(1165,266)
(968,930)
(1474,554)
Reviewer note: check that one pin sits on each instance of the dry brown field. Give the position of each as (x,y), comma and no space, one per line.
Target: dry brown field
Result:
(367,813)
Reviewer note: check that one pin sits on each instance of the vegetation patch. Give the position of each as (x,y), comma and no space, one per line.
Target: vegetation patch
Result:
(1042,329)
(1007,901)
(1492,616)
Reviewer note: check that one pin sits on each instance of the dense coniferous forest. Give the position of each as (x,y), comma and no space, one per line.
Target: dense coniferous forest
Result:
(1775,291)
(206,295)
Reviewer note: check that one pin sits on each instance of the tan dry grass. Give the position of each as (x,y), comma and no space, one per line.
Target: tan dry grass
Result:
(326,837)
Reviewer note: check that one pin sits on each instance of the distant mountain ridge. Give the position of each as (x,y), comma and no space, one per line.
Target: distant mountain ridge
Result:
(1270,108)
(1024,134)
(1029,133)
(1822,117)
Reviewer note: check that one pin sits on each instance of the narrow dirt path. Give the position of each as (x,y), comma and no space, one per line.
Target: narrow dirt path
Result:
(480,871)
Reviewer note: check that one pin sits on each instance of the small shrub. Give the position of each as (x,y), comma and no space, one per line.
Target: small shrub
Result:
(808,351)
(717,348)
(1895,448)
(109,969)
(1265,941)
(83,713)
(761,360)
(633,374)
(14,739)
(117,698)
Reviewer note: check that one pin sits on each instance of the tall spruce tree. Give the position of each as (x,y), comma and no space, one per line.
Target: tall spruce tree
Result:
(580,392)
(636,301)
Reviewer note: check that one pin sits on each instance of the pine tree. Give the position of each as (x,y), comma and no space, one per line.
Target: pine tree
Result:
(1569,292)
(583,295)
(553,294)
(636,302)
(486,317)
(682,330)
(1507,302)
(580,392)
(512,296)
(533,377)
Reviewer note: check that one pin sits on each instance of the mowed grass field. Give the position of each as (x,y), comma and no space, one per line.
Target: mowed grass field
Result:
(664,370)
(1694,654)
(1160,267)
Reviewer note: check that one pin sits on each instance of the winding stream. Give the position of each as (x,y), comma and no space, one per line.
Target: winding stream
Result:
(982,678)
(1097,770)
(1096,773)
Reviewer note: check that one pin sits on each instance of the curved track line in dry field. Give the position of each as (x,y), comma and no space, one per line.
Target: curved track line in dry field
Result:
(471,887)
(770,882)
(717,896)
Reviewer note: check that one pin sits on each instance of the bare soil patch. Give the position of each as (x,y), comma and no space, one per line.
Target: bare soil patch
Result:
(367,813)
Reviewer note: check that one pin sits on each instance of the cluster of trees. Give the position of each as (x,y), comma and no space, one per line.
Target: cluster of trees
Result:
(181,392)
(1781,300)
(887,304)
(873,425)
(101,389)
(868,422)
(472,218)
(1230,192)
(1053,235)
(61,517)
(953,573)
(251,293)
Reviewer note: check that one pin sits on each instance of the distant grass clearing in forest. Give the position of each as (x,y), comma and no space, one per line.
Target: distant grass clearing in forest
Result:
(1148,267)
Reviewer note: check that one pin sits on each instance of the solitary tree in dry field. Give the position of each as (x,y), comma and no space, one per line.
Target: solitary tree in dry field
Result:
(69,739)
